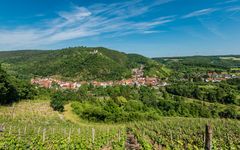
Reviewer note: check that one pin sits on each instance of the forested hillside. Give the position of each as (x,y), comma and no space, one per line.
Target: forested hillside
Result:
(216,62)
(79,63)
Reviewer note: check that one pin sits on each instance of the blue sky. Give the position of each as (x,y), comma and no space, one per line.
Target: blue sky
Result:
(149,27)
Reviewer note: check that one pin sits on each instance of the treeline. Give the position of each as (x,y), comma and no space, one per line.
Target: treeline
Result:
(221,93)
(127,103)
(12,89)
(217,62)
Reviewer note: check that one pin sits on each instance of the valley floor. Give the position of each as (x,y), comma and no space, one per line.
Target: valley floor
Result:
(34,125)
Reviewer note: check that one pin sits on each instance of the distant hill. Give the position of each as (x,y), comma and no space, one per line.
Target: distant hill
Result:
(221,61)
(78,63)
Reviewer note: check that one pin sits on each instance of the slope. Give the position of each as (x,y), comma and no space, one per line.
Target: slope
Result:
(77,63)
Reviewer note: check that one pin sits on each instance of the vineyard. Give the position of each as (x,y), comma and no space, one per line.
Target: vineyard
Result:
(33,125)
(187,133)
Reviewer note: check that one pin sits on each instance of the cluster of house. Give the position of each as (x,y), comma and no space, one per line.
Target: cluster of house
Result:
(218,77)
(53,83)
(137,79)
(138,72)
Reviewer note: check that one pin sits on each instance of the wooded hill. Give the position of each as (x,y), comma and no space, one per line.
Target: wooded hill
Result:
(217,62)
(77,63)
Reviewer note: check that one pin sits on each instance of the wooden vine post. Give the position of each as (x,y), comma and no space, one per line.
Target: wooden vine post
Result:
(44,135)
(38,130)
(13,111)
(25,130)
(79,131)
(10,130)
(69,136)
(65,132)
(19,133)
(171,137)
(108,131)
(208,137)
(119,135)
(53,131)
(93,136)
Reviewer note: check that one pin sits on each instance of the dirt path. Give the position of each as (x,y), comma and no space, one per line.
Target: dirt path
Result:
(69,115)
(132,143)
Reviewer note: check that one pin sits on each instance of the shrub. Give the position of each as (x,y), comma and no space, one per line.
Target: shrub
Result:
(57,102)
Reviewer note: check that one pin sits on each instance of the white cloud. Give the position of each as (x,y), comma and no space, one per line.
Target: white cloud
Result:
(83,22)
(78,13)
(212,27)
(234,9)
(152,31)
(227,2)
(153,23)
(200,12)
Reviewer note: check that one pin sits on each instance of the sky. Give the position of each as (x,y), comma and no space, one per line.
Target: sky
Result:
(154,28)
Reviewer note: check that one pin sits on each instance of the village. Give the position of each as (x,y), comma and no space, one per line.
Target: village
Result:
(137,79)
(218,77)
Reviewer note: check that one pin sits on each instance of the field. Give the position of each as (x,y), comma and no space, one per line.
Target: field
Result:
(33,125)
(230,58)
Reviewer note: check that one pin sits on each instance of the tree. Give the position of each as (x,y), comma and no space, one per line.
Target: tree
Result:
(148,96)
(8,92)
(198,93)
(25,89)
(57,102)
(113,92)
(231,98)
(166,95)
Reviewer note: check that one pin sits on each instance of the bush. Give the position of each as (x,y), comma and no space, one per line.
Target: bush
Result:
(57,102)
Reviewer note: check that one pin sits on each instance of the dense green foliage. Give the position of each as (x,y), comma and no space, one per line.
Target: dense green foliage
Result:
(78,63)
(8,92)
(221,92)
(57,102)
(188,80)
(128,103)
(12,89)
